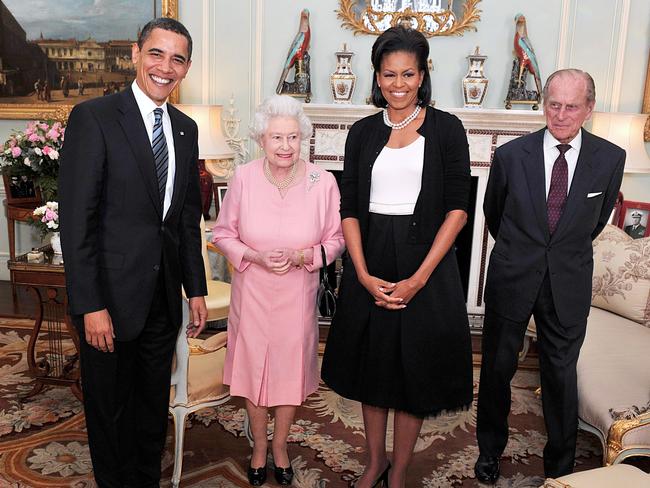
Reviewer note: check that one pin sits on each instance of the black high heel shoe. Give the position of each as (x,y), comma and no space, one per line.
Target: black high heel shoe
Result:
(382,481)
(284,476)
(257,476)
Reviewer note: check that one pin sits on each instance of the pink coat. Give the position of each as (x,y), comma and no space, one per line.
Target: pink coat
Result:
(272,330)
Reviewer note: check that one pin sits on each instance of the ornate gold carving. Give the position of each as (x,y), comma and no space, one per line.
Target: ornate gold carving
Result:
(45,111)
(616,432)
(446,22)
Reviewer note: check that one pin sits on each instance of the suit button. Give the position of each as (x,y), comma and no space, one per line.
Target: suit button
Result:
(162,229)
(156,267)
(414,224)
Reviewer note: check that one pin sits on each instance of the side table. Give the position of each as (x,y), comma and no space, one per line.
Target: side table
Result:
(51,364)
(20,212)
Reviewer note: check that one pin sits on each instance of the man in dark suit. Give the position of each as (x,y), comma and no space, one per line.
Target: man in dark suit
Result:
(635,230)
(549,194)
(130,211)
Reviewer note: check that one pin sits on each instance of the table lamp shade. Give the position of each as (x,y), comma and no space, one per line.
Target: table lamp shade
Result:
(624,130)
(212,143)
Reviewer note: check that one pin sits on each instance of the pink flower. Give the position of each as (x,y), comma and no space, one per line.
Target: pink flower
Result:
(15,151)
(33,137)
(50,215)
(53,134)
(46,150)
(43,126)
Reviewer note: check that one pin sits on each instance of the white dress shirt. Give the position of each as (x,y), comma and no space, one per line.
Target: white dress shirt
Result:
(147,106)
(551,152)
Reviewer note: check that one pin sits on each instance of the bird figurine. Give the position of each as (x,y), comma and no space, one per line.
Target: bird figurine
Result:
(298,49)
(525,53)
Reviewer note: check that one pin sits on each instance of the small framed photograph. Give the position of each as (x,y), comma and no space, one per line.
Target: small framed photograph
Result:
(219,189)
(21,189)
(633,219)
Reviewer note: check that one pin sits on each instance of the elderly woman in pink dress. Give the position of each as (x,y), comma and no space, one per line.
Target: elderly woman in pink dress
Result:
(277,213)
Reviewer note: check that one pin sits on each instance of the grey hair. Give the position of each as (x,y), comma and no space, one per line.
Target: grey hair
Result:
(591,86)
(279,106)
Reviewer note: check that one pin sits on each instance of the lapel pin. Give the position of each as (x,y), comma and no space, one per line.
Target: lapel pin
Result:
(182,133)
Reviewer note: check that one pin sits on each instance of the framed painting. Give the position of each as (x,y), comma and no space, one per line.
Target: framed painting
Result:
(62,53)
(21,190)
(219,188)
(633,219)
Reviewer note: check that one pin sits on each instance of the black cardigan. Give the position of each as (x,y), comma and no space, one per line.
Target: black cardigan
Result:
(445,174)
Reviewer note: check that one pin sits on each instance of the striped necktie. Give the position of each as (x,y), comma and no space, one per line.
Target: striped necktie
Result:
(160,154)
(557,193)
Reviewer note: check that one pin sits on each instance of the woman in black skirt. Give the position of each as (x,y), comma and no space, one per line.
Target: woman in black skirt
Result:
(400,338)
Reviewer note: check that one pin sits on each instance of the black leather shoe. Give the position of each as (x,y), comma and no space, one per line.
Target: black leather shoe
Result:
(256,476)
(487,469)
(284,476)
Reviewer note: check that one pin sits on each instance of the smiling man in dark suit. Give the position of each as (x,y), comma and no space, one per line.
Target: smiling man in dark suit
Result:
(549,194)
(130,211)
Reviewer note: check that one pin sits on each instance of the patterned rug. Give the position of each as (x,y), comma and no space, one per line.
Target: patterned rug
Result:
(43,440)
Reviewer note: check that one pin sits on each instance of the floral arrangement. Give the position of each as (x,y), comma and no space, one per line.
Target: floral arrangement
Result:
(35,153)
(46,218)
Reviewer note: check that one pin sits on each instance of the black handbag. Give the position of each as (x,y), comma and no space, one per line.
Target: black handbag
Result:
(326,298)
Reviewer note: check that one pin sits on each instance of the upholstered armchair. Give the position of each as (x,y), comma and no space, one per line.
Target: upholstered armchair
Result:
(197,377)
(619,475)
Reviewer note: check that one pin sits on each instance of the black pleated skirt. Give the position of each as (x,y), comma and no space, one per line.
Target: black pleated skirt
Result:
(417,359)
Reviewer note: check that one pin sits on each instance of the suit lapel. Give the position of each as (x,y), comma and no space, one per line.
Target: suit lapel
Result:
(580,183)
(182,153)
(136,133)
(533,164)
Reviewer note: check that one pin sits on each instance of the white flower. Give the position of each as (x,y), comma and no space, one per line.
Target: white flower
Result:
(27,162)
(52,225)
(38,151)
(53,154)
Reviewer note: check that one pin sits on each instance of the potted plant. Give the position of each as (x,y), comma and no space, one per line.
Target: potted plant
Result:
(32,156)
(46,219)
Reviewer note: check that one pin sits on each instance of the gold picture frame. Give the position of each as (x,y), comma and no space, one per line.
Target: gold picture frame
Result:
(45,111)
(441,23)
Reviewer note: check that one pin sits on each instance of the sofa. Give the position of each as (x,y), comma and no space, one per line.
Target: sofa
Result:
(614,363)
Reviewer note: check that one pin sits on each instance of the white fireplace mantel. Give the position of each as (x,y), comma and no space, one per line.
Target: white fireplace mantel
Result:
(486,129)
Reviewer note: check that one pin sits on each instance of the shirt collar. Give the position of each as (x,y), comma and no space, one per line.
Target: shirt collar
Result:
(552,142)
(145,104)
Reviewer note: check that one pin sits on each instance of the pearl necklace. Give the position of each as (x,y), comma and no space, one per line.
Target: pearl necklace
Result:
(403,123)
(284,183)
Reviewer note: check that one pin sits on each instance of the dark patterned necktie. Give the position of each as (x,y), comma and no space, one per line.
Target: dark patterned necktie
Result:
(557,193)
(160,153)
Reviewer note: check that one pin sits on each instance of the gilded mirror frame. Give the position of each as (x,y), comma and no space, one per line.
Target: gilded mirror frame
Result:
(355,22)
(45,111)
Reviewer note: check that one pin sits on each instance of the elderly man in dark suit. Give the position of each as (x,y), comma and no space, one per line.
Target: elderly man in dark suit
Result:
(635,230)
(549,194)
(130,213)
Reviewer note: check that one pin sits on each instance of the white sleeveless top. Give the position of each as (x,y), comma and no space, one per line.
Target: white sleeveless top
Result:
(397,179)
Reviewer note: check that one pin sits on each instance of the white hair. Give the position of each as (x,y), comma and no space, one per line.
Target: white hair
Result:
(279,106)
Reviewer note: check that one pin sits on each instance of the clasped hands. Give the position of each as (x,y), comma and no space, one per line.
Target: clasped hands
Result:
(278,261)
(391,296)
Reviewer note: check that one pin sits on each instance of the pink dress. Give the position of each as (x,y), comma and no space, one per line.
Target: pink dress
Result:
(271,357)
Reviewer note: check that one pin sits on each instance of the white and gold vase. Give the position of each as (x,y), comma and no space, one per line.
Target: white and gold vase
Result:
(475,84)
(342,81)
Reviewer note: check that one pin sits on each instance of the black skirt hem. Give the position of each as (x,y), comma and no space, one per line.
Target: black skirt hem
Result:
(426,413)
